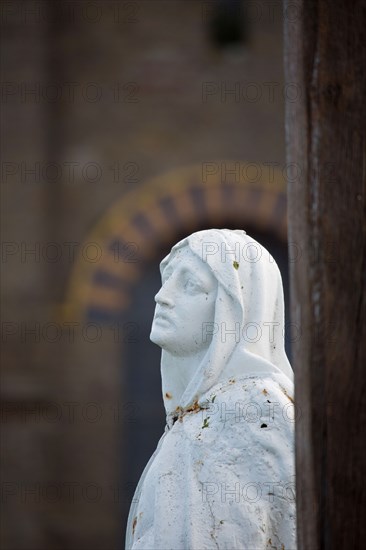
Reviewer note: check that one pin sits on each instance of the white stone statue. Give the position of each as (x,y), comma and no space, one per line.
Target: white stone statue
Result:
(222,476)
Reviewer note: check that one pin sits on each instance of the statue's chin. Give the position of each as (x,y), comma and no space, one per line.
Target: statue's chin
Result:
(157,338)
(161,340)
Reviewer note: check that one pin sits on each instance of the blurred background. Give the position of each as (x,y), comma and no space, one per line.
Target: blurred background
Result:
(126,125)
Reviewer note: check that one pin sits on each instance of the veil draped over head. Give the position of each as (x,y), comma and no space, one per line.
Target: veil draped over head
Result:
(248,328)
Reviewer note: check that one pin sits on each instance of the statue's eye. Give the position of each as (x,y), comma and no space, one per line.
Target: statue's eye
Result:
(190,285)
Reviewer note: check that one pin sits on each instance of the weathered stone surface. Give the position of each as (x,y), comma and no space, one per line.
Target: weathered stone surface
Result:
(229,431)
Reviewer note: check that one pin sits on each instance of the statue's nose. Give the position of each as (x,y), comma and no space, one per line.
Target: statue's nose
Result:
(163,297)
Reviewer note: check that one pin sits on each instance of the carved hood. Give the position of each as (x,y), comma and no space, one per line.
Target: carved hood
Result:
(248,329)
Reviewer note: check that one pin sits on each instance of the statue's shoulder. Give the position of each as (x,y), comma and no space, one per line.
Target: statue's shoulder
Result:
(243,412)
(253,388)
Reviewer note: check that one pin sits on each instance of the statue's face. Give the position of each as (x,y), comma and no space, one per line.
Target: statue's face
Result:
(185,302)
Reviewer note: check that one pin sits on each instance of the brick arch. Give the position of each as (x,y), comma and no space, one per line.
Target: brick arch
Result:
(133,230)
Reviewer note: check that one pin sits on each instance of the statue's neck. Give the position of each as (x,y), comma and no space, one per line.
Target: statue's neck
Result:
(177,371)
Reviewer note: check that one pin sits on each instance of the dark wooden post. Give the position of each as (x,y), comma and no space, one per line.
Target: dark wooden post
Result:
(325,64)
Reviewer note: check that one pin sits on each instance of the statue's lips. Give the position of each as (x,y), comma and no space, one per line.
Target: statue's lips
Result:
(162,317)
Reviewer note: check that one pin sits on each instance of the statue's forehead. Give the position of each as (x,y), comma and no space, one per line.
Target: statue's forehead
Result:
(184,258)
(180,255)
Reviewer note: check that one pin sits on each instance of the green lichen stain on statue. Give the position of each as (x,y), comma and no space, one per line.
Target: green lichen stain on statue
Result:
(205,423)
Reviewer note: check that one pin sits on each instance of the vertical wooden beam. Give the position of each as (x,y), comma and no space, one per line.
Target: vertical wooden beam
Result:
(325,61)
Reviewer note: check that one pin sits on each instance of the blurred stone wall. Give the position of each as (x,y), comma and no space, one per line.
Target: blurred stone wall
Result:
(98,98)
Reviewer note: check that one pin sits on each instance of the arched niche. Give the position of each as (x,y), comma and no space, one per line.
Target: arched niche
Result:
(114,281)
